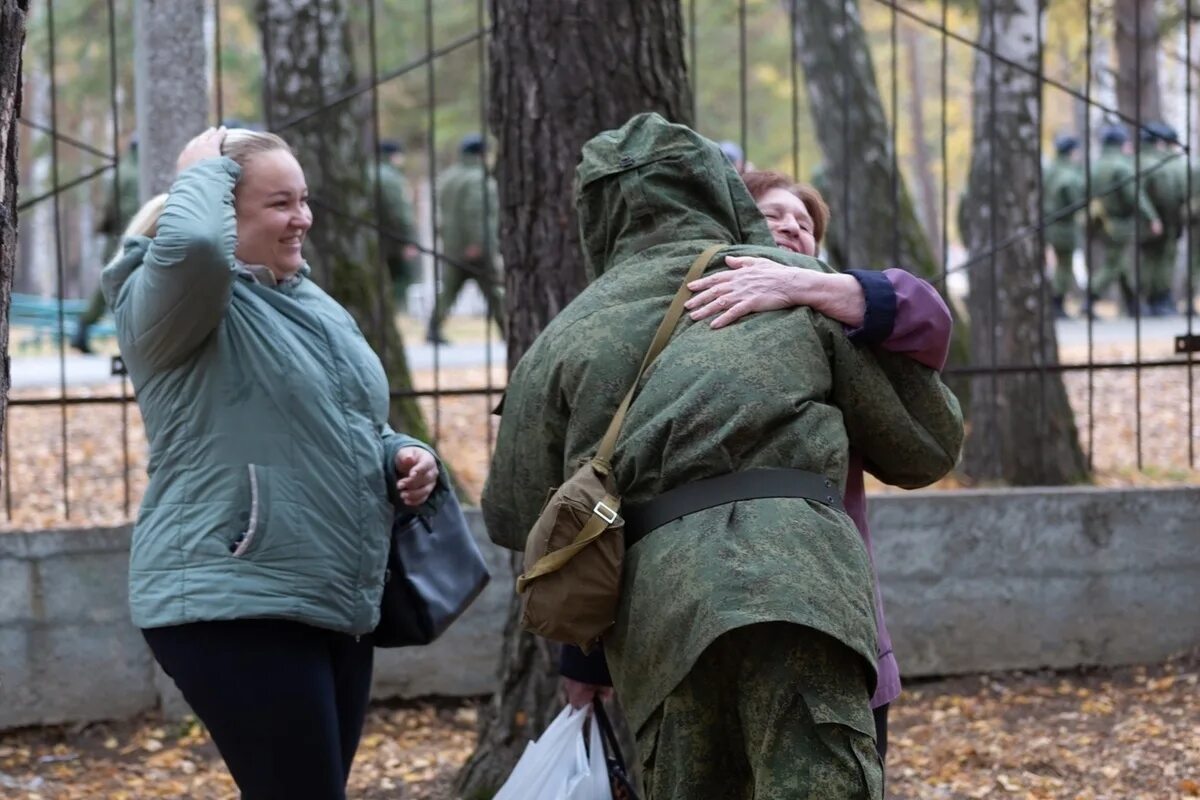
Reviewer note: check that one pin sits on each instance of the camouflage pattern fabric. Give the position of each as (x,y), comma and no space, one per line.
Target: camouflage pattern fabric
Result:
(1063,188)
(1166,186)
(397,220)
(778,389)
(468,210)
(768,712)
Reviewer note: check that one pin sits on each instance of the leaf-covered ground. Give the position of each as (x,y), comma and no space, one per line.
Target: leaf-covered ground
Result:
(1125,734)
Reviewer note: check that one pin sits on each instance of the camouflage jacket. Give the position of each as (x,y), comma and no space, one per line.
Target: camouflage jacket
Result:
(1119,195)
(396,212)
(1062,189)
(778,389)
(1166,186)
(466,214)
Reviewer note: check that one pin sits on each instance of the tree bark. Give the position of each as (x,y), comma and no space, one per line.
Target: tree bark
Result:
(12,41)
(171,88)
(308,63)
(1022,427)
(856,141)
(560,73)
(1136,35)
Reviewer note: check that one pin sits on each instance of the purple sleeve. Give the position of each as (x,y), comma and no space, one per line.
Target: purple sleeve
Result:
(922,324)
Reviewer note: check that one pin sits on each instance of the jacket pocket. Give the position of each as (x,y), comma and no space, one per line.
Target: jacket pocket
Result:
(255,521)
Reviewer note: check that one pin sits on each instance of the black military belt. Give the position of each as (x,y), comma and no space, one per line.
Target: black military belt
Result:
(752,484)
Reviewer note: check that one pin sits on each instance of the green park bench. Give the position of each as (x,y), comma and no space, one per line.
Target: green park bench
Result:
(34,321)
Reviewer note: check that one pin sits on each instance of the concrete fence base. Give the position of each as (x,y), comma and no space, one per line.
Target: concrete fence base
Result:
(973,581)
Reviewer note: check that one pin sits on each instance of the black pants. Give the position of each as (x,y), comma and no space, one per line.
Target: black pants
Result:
(284,702)
(881,715)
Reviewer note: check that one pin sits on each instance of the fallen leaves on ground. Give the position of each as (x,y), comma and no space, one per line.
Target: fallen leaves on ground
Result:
(1122,734)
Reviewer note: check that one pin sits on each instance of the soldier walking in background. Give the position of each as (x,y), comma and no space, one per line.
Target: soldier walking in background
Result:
(399,240)
(468,211)
(118,211)
(1116,203)
(1063,193)
(1166,186)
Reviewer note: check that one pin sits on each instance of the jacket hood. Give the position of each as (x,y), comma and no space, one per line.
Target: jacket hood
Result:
(652,181)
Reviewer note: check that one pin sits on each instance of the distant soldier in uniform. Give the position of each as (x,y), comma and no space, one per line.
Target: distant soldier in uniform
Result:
(1116,204)
(467,212)
(118,211)
(1166,186)
(1193,211)
(1063,193)
(400,251)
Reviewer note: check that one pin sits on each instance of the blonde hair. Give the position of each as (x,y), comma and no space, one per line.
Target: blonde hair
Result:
(240,144)
(145,221)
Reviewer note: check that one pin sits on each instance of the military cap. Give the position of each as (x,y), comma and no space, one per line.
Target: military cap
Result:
(472,144)
(1113,135)
(1065,143)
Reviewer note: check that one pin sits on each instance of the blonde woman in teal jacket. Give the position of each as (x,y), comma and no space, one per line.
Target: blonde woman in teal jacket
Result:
(259,551)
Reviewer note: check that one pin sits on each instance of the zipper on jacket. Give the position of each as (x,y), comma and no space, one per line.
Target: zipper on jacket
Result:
(252,525)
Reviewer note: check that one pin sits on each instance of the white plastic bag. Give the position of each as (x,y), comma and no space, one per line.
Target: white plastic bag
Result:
(557,766)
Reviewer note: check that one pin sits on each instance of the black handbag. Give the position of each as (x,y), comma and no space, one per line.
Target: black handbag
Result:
(434,571)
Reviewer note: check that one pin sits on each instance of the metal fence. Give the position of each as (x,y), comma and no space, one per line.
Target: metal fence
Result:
(74,448)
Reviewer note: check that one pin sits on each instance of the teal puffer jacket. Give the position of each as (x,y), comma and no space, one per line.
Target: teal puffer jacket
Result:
(271,461)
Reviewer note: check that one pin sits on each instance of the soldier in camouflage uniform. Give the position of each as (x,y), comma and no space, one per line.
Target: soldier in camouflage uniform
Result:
(466,194)
(117,213)
(399,242)
(1166,186)
(1192,210)
(1116,204)
(744,647)
(1063,193)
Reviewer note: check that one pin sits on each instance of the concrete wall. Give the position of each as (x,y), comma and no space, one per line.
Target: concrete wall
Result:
(973,581)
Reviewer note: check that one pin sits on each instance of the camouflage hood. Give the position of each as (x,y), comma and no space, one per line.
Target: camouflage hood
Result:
(650,182)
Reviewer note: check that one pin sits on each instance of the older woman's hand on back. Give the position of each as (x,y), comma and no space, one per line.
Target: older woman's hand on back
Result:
(758,284)
(417,470)
(202,146)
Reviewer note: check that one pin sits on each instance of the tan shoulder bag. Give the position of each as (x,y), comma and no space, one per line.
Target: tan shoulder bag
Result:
(574,551)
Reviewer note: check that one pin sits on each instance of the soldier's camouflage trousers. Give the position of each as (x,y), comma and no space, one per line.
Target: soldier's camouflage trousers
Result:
(768,712)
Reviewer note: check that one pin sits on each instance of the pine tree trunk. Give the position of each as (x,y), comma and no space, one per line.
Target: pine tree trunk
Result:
(561,72)
(1137,40)
(873,219)
(308,60)
(12,41)
(1022,427)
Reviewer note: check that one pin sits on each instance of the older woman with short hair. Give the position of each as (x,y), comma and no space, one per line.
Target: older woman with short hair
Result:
(259,552)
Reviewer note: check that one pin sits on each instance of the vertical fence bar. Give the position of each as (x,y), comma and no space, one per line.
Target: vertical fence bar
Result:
(895,127)
(220,90)
(994,306)
(115,111)
(743,83)
(1043,356)
(381,266)
(1090,233)
(1189,247)
(695,65)
(1137,236)
(431,144)
(945,152)
(58,259)
(844,92)
(488,255)
(795,87)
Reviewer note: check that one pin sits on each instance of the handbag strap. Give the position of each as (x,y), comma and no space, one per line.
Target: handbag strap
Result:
(603,458)
(607,733)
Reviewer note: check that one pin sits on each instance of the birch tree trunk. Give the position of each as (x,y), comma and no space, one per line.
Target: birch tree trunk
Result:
(561,72)
(1022,427)
(1136,36)
(308,63)
(874,223)
(12,42)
